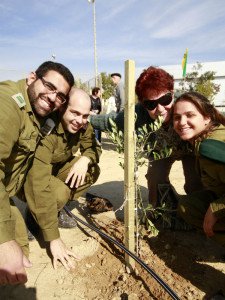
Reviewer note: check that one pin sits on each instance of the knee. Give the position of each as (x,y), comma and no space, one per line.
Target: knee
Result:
(62,196)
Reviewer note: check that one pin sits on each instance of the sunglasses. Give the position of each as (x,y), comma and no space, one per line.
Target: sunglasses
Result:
(152,104)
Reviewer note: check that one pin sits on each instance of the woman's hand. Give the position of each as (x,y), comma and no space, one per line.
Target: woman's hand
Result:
(209,221)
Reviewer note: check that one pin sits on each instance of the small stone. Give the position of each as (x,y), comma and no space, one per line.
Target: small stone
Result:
(133,297)
(173,257)
(103,261)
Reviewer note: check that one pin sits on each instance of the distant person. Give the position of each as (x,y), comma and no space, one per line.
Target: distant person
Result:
(96,108)
(119,91)
(197,121)
(59,170)
(25,104)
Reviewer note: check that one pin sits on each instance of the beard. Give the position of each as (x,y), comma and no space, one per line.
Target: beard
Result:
(31,94)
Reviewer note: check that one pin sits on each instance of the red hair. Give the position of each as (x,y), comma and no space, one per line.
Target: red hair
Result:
(152,82)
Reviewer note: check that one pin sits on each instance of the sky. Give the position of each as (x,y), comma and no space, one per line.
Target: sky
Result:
(150,32)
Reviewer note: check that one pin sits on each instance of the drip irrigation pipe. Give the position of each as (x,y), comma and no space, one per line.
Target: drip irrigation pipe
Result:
(121,246)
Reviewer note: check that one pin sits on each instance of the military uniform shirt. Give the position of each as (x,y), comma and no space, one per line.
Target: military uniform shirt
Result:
(18,137)
(212,173)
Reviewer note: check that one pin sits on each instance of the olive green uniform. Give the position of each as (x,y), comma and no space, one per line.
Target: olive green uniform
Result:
(211,167)
(45,190)
(18,138)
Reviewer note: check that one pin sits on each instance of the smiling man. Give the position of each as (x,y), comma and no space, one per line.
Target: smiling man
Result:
(24,106)
(65,162)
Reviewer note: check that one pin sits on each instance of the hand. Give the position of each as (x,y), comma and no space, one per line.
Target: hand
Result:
(78,172)
(61,253)
(92,113)
(209,221)
(12,264)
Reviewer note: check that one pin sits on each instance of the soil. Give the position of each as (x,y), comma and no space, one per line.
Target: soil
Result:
(191,265)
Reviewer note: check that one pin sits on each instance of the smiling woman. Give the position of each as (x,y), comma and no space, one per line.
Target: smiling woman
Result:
(196,120)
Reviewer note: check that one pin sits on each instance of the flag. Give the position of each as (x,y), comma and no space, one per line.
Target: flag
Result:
(184,62)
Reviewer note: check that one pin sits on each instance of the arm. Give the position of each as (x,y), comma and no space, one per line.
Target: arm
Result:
(12,259)
(213,178)
(121,95)
(12,263)
(37,189)
(102,123)
(90,154)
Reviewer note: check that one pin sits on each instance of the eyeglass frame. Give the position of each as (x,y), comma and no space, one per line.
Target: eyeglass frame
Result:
(163,100)
(62,98)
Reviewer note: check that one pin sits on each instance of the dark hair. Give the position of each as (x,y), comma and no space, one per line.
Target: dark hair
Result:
(152,81)
(95,91)
(47,66)
(116,74)
(206,109)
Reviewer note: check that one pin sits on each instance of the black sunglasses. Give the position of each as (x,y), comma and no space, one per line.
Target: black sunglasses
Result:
(152,104)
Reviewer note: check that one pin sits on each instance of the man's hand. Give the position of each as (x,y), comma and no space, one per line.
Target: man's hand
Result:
(78,172)
(209,221)
(12,264)
(61,253)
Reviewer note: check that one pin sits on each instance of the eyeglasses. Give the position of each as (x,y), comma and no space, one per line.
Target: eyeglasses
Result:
(152,104)
(60,97)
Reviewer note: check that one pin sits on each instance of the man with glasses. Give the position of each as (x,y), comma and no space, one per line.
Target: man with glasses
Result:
(25,104)
(155,92)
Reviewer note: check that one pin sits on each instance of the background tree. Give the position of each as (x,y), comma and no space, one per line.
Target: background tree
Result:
(82,85)
(107,85)
(199,82)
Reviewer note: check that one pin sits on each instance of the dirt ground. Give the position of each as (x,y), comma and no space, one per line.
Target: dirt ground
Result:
(190,264)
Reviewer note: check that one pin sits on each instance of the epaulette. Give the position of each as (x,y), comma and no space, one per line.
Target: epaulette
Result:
(19,99)
(213,149)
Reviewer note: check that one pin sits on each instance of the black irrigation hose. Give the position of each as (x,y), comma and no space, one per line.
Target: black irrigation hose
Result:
(150,271)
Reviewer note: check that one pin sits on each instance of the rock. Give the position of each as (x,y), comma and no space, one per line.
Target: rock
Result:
(133,297)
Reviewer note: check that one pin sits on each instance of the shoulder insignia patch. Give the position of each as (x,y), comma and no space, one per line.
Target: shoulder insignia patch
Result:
(213,149)
(19,100)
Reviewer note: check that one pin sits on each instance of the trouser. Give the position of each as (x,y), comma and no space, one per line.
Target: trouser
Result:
(158,173)
(192,208)
(98,134)
(60,192)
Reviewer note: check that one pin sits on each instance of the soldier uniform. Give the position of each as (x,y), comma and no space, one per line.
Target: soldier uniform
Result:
(19,129)
(211,167)
(45,190)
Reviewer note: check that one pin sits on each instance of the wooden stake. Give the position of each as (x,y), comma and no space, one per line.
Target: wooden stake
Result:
(129,147)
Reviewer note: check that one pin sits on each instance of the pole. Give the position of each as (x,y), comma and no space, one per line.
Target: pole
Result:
(129,147)
(95,44)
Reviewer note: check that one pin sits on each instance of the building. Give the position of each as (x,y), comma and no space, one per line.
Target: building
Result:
(218,67)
